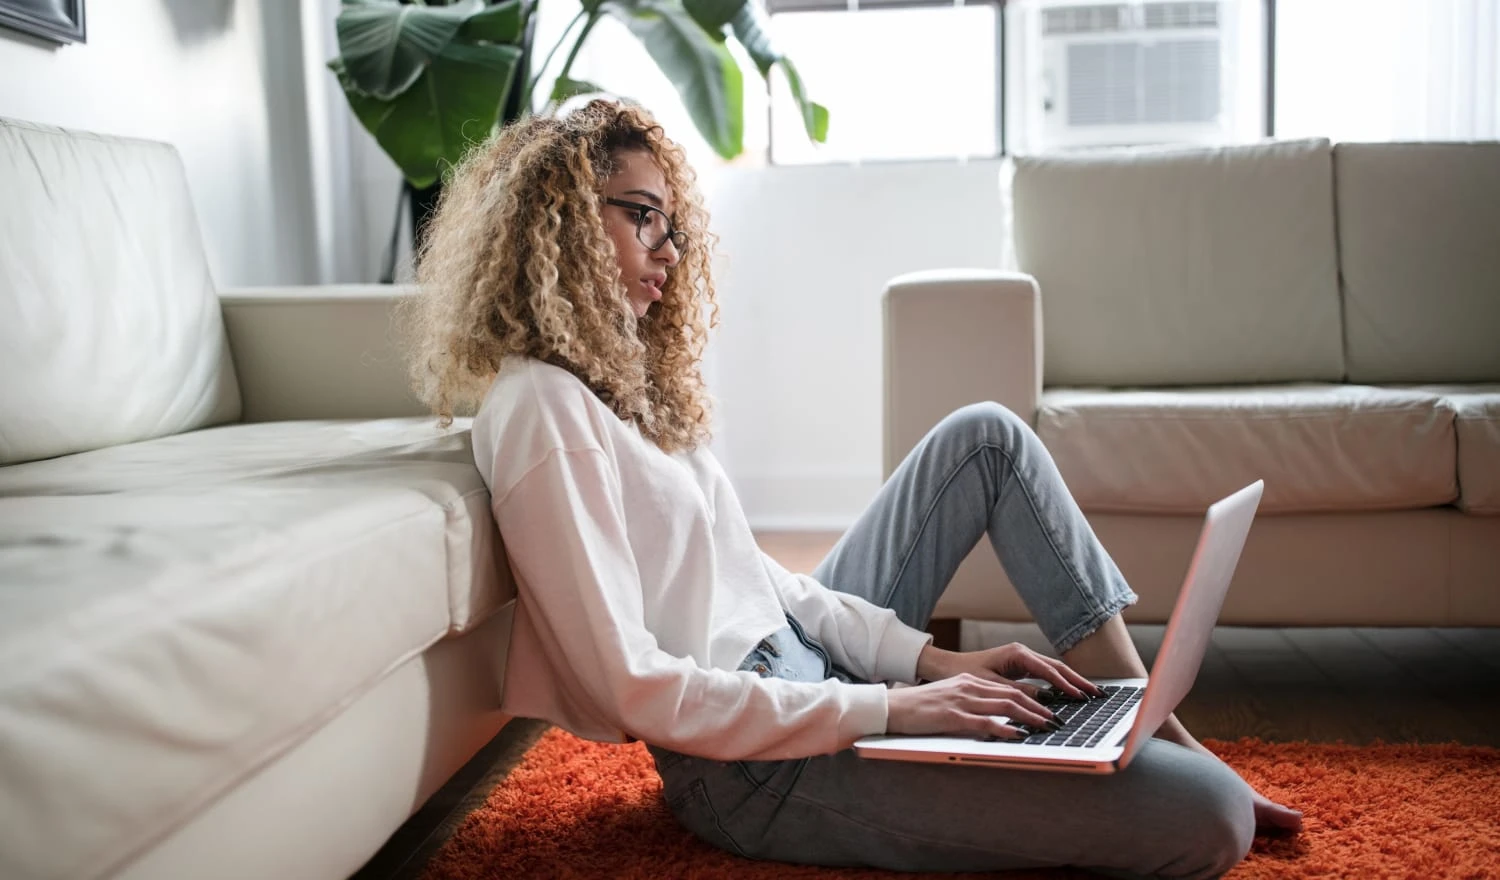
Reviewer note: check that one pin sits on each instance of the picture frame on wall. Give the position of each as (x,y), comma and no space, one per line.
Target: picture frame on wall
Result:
(59,21)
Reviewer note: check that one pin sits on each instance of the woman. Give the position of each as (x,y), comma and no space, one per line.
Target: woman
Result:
(567,292)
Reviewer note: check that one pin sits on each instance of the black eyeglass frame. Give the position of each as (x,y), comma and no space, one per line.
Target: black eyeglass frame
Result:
(678,238)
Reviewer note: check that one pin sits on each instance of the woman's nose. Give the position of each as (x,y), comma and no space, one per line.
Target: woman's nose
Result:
(668,253)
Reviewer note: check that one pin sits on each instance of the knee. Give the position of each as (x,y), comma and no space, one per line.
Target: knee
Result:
(1224,842)
(1219,826)
(987,422)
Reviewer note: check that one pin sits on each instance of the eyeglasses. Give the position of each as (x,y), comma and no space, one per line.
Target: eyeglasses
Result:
(652,226)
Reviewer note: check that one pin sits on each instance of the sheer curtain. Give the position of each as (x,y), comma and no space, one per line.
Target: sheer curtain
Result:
(1388,69)
(353,185)
(1451,83)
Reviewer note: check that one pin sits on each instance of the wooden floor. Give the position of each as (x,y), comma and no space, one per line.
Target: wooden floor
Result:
(1353,685)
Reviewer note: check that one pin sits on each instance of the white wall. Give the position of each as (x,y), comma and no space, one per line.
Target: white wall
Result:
(220,79)
(797,362)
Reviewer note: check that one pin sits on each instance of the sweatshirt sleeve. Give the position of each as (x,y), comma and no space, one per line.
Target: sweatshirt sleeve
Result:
(565,535)
(863,637)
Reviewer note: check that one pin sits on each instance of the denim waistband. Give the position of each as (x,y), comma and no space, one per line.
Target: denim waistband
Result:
(792,654)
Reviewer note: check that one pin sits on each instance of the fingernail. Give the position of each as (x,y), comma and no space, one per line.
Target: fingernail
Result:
(1053,726)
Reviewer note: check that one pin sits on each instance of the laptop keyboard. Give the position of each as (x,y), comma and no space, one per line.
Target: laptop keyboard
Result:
(1085,724)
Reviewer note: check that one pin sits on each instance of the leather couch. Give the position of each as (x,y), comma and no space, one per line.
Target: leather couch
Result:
(1176,323)
(253,610)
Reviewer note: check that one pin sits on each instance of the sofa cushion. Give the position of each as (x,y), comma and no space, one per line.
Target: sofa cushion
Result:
(1183,266)
(1318,447)
(110,331)
(158,646)
(407,455)
(1477,410)
(1419,244)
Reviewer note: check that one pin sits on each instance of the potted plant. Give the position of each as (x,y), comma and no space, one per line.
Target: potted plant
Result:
(428,80)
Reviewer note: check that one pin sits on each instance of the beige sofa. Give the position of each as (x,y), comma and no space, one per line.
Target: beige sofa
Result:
(252,607)
(1186,321)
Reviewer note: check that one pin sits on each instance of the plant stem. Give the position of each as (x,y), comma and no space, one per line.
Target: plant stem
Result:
(531,86)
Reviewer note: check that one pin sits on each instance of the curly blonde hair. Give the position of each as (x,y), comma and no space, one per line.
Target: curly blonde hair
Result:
(516,263)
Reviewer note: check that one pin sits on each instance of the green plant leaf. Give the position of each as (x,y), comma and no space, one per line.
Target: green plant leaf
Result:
(385,45)
(501,23)
(566,87)
(452,105)
(704,73)
(749,26)
(713,15)
(370,111)
(814,115)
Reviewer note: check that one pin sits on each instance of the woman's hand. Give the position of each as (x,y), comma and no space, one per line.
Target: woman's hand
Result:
(1004,664)
(965,703)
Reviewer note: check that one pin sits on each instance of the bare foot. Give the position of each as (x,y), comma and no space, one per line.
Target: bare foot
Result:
(1273,817)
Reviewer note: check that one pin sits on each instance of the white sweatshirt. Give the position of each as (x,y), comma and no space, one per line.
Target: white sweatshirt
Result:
(642,590)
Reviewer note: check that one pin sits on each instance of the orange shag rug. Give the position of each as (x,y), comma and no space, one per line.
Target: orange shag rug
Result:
(576,809)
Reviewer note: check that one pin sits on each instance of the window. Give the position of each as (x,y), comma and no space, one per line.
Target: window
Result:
(946,79)
(902,81)
(913,79)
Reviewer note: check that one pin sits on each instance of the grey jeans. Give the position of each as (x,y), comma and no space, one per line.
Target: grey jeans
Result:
(981,471)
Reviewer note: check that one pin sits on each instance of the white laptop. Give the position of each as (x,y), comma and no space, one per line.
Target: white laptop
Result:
(1103,734)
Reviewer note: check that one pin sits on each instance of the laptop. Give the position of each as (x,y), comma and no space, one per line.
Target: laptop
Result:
(1103,734)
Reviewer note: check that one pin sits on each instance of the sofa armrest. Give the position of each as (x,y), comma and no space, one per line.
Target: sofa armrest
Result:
(955,337)
(322,352)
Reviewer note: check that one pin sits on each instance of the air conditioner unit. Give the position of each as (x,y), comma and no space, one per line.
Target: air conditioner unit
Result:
(1128,73)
